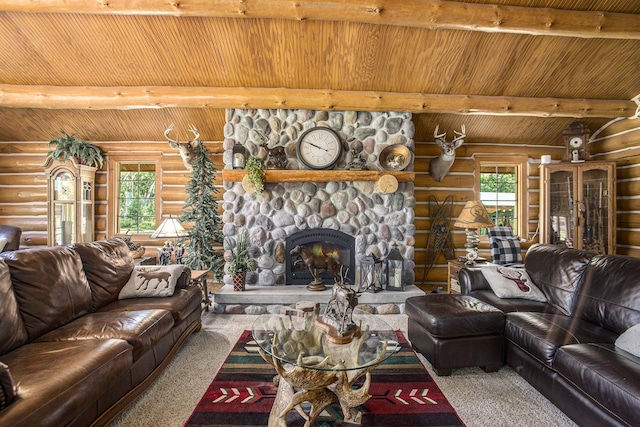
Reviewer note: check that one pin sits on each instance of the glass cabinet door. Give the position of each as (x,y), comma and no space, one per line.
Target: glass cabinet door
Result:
(561,208)
(594,211)
(64,213)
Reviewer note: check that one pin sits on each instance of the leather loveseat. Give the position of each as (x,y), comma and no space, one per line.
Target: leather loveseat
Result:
(71,353)
(566,347)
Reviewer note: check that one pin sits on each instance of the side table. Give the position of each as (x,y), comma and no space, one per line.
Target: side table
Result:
(199,278)
(146,260)
(454,267)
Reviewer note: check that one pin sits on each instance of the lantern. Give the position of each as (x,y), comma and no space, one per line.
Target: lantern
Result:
(395,269)
(370,274)
(239,156)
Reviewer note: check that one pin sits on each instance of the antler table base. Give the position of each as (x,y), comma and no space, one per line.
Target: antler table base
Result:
(312,369)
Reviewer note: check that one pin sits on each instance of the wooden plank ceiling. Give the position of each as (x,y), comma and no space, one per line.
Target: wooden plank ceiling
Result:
(518,73)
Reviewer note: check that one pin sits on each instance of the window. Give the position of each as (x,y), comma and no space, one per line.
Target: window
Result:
(501,185)
(137,198)
(133,184)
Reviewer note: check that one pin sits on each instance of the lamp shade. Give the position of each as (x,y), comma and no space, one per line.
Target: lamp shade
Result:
(474,215)
(170,227)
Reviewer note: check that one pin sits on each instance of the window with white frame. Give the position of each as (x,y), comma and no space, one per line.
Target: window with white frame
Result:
(501,186)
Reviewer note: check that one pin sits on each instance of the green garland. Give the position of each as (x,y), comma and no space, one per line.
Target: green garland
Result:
(255,173)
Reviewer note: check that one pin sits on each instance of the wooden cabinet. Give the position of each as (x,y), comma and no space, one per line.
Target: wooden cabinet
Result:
(577,205)
(70,202)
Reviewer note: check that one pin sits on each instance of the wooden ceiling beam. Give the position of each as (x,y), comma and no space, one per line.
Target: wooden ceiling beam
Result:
(431,14)
(139,97)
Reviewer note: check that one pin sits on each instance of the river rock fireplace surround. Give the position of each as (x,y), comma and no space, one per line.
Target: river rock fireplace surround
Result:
(373,220)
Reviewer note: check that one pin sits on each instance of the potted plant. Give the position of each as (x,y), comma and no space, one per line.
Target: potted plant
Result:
(84,152)
(255,175)
(240,263)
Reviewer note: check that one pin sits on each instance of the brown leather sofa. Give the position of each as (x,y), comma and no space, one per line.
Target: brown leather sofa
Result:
(76,355)
(565,347)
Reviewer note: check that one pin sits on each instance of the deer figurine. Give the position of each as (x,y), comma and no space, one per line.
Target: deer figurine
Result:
(439,167)
(187,149)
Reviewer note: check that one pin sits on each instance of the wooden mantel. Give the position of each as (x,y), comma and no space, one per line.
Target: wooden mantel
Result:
(271,175)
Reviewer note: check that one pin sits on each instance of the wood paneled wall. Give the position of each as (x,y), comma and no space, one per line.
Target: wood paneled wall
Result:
(23,199)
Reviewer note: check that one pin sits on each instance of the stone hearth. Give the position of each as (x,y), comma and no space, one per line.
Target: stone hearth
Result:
(259,300)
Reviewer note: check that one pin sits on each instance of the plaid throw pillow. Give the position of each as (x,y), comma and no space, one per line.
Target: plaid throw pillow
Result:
(505,248)
(509,251)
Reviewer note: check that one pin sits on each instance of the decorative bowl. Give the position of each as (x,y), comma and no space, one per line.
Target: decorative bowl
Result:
(395,158)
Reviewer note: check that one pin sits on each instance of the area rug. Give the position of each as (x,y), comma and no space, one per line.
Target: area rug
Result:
(403,394)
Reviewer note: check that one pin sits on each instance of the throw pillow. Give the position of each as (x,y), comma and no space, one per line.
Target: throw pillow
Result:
(508,251)
(507,282)
(3,243)
(152,281)
(629,341)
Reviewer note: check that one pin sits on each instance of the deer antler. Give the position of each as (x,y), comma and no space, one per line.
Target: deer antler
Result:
(194,131)
(442,135)
(459,135)
(166,135)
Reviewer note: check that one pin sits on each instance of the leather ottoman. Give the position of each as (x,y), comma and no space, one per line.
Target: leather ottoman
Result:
(456,331)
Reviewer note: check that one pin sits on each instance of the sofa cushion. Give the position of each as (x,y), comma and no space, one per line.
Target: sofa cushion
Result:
(629,341)
(181,304)
(108,265)
(142,329)
(56,380)
(12,330)
(541,334)
(508,305)
(148,281)
(610,296)
(512,283)
(609,376)
(558,272)
(50,287)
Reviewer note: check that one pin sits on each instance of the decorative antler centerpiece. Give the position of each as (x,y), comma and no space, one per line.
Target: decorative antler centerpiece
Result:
(337,319)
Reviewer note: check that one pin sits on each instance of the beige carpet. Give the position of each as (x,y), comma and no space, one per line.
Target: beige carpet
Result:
(481,399)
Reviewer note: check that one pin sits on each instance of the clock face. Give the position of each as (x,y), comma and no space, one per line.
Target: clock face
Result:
(319,148)
(575,142)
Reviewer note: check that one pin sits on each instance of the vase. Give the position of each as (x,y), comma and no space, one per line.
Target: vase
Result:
(238,282)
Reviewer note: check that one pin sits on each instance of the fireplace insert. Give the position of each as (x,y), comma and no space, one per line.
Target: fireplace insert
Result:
(335,246)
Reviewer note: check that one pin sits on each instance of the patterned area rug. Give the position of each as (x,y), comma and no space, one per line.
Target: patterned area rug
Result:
(403,394)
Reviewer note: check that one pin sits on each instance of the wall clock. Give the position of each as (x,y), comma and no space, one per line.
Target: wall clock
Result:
(319,148)
(576,138)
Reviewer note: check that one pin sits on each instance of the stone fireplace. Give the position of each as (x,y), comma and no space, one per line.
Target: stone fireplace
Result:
(286,211)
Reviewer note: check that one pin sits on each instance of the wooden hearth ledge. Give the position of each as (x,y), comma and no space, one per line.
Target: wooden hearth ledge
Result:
(272,175)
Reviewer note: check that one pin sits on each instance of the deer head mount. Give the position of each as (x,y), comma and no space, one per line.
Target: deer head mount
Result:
(439,167)
(187,149)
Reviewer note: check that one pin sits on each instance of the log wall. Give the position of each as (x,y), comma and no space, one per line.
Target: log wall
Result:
(23,199)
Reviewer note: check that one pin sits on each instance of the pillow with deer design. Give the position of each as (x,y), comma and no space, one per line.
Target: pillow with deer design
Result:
(147,281)
(507,282)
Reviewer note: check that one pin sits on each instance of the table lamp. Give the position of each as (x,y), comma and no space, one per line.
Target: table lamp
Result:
(170,228)
(473,216)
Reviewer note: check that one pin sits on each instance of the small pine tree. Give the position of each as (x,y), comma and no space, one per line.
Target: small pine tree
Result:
(201,209)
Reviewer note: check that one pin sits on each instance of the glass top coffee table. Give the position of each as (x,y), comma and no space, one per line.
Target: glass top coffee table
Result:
(313,369)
